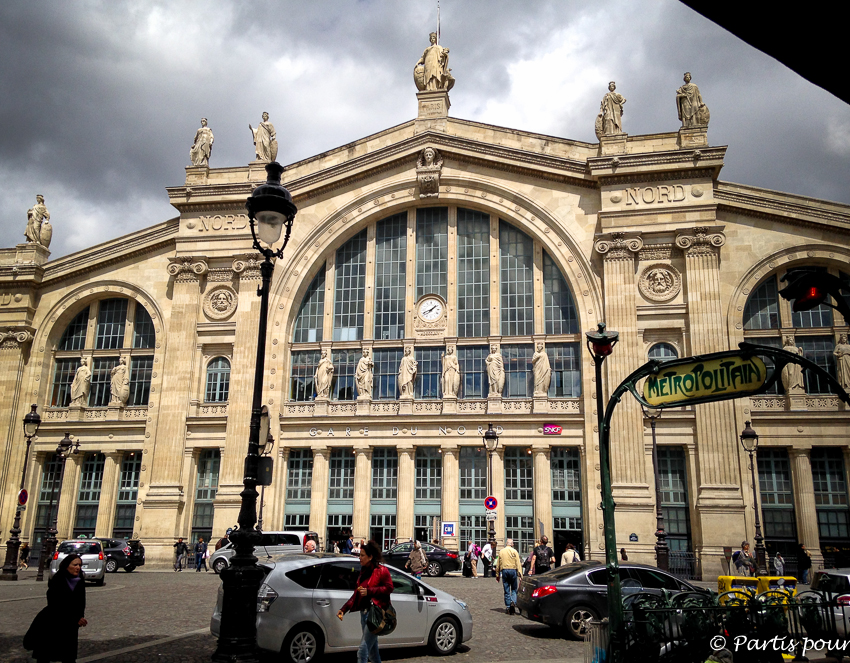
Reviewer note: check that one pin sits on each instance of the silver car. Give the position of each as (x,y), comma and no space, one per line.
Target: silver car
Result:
(302,593)
(272,543)
(91,552)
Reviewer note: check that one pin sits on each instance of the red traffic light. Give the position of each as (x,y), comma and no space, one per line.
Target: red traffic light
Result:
(810,297)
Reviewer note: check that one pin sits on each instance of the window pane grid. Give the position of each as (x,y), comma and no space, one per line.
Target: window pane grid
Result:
(385,373)
(50,480)
(472,528)
(208,467)
(111,320)
(558,305)
(762,309)
(674,496)
(566,475)
(310,321)
(472,370)
(141,369)
(473,473)
(301,382)
(473,273)
(429,473)
(128,484)
(101,381)
(429,372)
(828,480)
(774,478)
(565,360)
(390,276)
(521,530)
(518,474)
(432,251)
(350,291)
(300,474)
(144,334)
(384,474)
(519,377)
(63,378)
(74,337)
(345,365)
(662,351)
(218,381)
(516,260)
(341,478)
(818,349)
(91,478)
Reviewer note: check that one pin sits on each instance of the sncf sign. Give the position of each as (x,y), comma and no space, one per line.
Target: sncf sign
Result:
(552,429)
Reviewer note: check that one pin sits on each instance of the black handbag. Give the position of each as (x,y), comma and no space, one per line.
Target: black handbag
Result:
(380,621)
(37,630)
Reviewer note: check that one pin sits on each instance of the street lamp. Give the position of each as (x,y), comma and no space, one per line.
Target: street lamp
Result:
(600,344)
(491,443)
(662,552)
(10,568)
(270,208)
(750,442)
(65,448)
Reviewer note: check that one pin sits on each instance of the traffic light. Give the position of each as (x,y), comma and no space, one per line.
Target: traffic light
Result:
(808,288)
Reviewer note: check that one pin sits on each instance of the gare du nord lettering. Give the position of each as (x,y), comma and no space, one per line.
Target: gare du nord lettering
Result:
(665,193)
(704,379)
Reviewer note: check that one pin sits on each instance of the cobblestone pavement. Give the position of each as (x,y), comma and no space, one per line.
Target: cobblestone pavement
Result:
(164,617)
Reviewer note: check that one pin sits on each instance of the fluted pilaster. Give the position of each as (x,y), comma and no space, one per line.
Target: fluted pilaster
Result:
(404,520)
(542,492)
(108,493)
(805,509)
(450,507)
(68,496)
(362,492)
(319,491)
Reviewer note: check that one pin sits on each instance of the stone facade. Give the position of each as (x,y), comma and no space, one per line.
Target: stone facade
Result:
(644,234)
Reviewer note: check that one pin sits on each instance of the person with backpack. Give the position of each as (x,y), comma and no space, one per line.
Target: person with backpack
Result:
(570,555)
(542,558)
(180,551)
(200,551)
(742,559)
(473,551)
(487,558)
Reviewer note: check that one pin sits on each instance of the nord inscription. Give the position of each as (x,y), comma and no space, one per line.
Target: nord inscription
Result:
(649,195)
(222,222)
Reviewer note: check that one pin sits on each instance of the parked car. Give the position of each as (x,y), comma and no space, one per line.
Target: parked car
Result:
(120,555)
(91,552)
(440,560)
(835,584)
(301,594)
(572,595)
(273,543)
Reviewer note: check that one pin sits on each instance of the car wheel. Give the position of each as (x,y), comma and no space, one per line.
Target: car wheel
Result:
(100,582)
(111,566)
(130,568)
(303,644)
(435,569)
(576,621)
(445,636)
(220,565)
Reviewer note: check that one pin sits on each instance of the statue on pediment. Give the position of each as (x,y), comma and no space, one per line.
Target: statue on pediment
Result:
(119,383)
(542,370)
(609,122)
(202,147)
(692,110)
(81,386)
(495,364)
(842,361)
(407,370)
(792,374)
(432,71)
(324,375)
(429,166)
(363,375)
(451,373)
(265,140)
(37,217)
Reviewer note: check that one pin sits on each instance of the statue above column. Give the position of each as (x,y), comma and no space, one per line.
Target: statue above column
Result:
(609,122)
(432,71)
(202,147)
(265,140)
(39,230)
(692,110)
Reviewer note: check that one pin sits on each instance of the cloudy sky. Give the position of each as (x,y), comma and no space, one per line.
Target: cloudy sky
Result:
(99,101)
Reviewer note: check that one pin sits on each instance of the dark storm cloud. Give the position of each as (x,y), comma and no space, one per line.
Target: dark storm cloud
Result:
(99,100)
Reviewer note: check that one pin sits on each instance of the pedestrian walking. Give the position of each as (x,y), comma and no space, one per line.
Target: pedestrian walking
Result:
(743,560)
(779,564)
(509,571)
(805,564)
(180,550)
(24,556)
(474,552)
(543,557)
(374,585)
(223,541)
(526,563)
(417,561)
(348,544)
(487,559)
(200,551)
(53,633)
(570,555)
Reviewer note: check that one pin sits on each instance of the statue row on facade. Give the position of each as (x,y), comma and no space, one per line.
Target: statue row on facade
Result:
(450,379)
(264,137)
(692,111)
(119,382)
(39,230)
(792,374)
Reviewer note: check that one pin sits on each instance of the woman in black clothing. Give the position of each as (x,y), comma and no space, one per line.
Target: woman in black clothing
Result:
(54,630)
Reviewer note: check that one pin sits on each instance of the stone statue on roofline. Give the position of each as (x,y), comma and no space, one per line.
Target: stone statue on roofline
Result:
(265,140)
(692,109)
(202,147)
(39,230)
(609,122)
(432,71)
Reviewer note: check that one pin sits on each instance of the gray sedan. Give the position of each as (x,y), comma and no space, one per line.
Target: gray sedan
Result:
(301,595)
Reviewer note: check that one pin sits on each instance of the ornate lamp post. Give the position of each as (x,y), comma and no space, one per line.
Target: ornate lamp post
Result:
(491,443)
(601,343)
(662,552)
(265,451)
(750,442)
(65,448)
(10,568)
(270,208)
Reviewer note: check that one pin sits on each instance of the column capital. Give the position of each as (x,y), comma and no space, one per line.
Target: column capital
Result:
(15,337)
(618,245)
(701,241)
(364,451)
(324,452)
(795,452)
(247,266)
(187,269)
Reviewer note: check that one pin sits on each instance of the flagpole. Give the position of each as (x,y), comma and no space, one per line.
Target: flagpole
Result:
(438,22)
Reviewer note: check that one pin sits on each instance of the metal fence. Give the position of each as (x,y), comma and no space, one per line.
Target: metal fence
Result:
(685,565)
(596,642)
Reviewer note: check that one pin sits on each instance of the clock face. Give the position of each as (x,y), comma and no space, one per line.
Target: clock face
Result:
(430,309)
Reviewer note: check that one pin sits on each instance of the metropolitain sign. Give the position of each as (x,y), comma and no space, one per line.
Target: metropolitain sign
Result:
(710,379)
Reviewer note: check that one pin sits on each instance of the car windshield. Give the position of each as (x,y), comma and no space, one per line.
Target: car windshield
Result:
(79,547)
(832,583)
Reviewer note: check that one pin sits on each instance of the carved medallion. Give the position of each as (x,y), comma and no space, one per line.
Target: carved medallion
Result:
(220,302)
(660,282)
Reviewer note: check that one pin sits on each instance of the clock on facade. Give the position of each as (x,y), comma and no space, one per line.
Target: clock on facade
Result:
(430,309)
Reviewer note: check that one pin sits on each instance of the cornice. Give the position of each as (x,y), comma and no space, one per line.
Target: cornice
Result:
(656,176)
(701,208)
(677,160)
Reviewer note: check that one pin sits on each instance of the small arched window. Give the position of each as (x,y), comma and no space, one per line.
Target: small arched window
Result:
(218,380)
(663,351)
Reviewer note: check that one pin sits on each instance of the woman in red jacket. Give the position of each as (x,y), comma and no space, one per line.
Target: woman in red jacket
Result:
(373,585)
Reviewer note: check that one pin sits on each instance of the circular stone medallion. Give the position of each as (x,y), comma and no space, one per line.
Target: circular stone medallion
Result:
(220,302)
(660,282)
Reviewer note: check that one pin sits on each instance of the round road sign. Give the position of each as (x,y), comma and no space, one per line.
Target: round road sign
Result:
(23,496)
(491,503)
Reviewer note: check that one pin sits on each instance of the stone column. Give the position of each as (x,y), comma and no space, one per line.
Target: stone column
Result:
(362,492)
(33,486)
(241,395)
(68,496)
(189,482)
(542,492)
(108,493)
(276,501)
(404,503)
(804,503)
(319,492)
(160,513)
(498,480)
(14,351)
(450,507)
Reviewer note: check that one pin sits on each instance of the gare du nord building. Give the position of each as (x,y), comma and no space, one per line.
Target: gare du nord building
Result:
(513,239)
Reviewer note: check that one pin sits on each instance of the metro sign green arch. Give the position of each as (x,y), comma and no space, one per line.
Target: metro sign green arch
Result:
(730,377)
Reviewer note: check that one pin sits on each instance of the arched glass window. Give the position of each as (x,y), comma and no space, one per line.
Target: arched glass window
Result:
(473,273)
(558,302)
(218,380)
(350,291)
(310,321)
(123,329)
(762,309)
(209,463)
(516,266)
(432,251)
(663,351)
(390,277)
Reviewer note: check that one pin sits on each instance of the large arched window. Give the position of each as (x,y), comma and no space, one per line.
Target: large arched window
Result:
(484,275)
(105,332)
(218,381)
(769,320)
